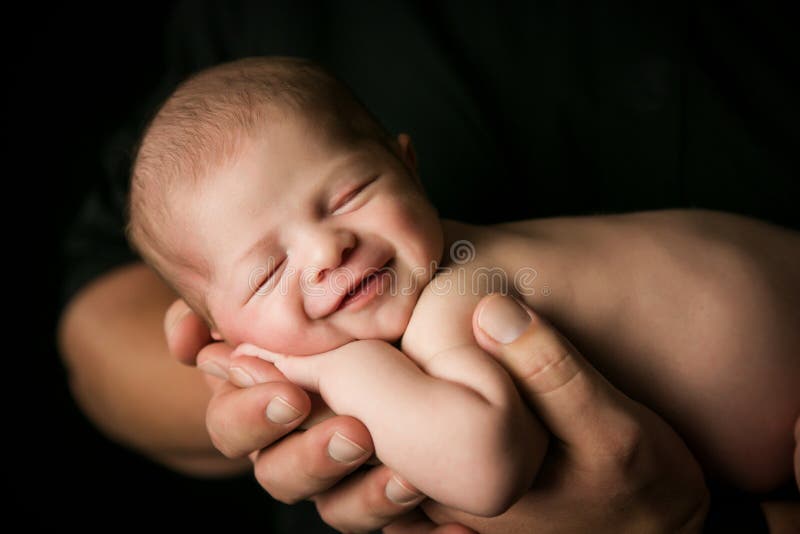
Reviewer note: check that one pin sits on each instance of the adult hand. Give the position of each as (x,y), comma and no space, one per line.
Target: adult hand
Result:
(253,411)
(615,465)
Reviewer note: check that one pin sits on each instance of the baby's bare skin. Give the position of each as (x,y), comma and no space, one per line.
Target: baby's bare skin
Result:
(693,313)
(665,283)
(264,228)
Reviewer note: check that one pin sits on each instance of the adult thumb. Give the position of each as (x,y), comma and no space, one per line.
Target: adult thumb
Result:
(569,395)
(185,332)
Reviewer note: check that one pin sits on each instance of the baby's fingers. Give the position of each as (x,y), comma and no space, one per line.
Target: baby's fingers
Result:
(246,372)
(217,360)
(305,371)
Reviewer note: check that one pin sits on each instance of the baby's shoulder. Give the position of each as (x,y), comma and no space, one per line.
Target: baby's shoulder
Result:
(472,267)
(442,319)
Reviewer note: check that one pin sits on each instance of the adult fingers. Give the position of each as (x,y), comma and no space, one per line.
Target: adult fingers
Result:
(575,402)
(416,522)
(797,452)
(213,359)
(247,371)
(304,464)
(185,331)
(367,501)
(240,421)
(216,359)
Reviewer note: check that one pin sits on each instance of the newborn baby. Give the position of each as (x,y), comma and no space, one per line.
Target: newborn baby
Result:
(283,213)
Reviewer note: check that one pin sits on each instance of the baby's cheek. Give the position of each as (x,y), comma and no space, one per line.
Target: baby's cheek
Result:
(271,329)
(420,225)
(233,329)
(289,333)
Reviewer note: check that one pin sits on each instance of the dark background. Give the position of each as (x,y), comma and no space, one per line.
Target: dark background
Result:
(70,76)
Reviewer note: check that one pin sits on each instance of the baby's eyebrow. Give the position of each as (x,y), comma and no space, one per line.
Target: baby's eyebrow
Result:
(354,158)
(266,241)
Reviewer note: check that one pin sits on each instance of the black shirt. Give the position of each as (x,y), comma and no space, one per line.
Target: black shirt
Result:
(516,110)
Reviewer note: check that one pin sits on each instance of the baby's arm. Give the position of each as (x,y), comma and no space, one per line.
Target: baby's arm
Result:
(467,442)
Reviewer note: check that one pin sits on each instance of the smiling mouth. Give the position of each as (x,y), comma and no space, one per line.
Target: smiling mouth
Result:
(367,288)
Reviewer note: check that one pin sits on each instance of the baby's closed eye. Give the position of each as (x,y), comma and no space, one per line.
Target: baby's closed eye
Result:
(264,278)
(344,201)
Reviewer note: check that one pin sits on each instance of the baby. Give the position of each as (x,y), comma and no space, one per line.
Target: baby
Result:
(278,207)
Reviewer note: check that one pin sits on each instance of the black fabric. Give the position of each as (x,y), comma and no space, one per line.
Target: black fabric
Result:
(730,510)
(516,110)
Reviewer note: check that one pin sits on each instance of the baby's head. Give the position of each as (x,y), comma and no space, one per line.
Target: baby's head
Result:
(279,208)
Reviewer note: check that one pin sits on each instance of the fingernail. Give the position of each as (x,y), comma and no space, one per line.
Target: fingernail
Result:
(213,369)
(343,450)
(398,493)
(178,319)
(503,319)
(281,412)
(240,377)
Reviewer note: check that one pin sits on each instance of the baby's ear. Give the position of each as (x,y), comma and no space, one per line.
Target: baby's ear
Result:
(215,335)
(407,153)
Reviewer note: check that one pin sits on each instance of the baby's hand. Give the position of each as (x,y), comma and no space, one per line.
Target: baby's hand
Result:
(245,369)
(304,371)
(383,388)
(340,375)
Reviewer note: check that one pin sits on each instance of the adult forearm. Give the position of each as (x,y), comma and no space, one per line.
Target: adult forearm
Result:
(122,376)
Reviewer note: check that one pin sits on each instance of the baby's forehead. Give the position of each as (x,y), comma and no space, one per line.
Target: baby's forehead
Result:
(321,157)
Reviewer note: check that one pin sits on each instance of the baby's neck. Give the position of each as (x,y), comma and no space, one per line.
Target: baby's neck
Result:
(454,231)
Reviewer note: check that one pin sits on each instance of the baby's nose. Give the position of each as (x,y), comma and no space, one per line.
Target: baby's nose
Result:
(329,250)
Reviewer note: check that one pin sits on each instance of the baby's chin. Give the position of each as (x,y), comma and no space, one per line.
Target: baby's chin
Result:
(387,323)
(310,345)
(305,346)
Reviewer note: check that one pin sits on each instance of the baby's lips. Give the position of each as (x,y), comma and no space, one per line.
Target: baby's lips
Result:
(320,306)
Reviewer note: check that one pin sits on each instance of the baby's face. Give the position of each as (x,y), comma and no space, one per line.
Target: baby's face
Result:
(312,246)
